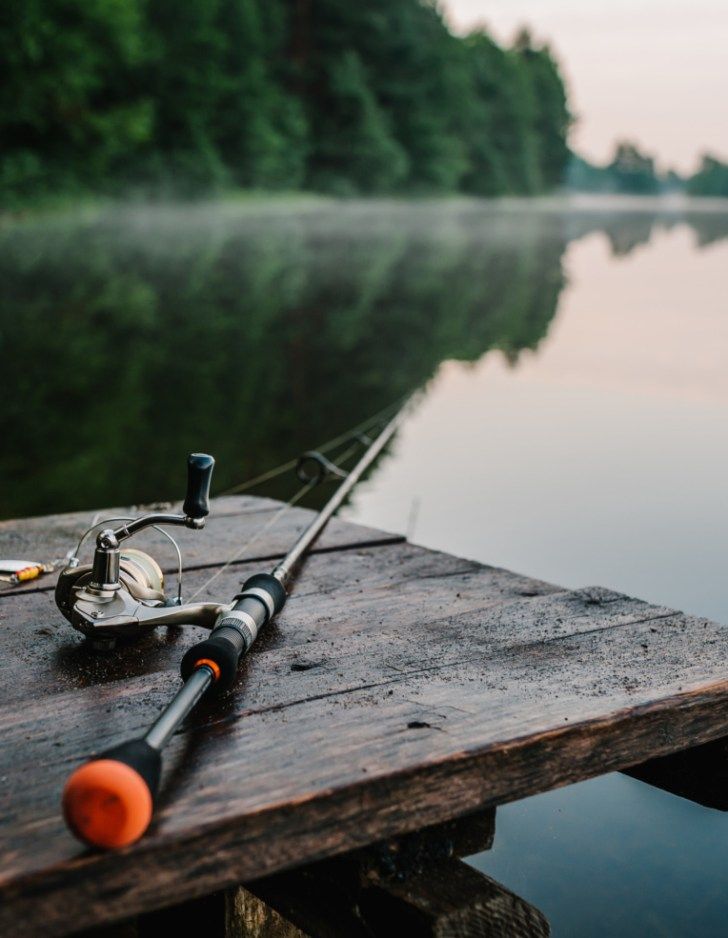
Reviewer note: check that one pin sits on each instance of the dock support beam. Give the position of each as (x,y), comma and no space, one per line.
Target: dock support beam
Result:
(448,900)
(414,885)
(699,774)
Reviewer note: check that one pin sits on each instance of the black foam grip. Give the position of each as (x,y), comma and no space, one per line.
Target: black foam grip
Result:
(271,585)
(199,476)
(226,655)
(140,756)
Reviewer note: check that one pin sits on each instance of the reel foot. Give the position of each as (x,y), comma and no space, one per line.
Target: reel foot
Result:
(102,645)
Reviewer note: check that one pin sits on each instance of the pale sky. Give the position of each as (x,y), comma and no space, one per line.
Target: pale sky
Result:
(653,71)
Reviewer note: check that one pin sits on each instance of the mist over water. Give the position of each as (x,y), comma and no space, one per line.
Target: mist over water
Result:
(572,426)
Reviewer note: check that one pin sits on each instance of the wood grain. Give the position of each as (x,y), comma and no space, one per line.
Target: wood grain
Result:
(251,917)
(451,900)
(42,654)
(399,688)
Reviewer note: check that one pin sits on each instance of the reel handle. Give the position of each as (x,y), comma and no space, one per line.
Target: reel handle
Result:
(199,475)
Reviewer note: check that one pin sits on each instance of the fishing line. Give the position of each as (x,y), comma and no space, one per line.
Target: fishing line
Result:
(322,448)
(238,555)
(283,510)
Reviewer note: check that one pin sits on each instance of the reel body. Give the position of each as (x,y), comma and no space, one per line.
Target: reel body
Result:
(121,594)
(140,581)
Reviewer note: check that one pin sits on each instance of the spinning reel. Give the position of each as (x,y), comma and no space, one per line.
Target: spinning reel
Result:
(121,594)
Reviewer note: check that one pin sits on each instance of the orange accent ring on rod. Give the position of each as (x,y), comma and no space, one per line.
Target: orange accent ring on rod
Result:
(212,665)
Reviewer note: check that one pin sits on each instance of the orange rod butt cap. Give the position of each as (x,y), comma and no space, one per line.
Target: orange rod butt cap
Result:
(107,804)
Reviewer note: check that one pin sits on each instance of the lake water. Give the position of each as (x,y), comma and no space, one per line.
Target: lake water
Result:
(573,361)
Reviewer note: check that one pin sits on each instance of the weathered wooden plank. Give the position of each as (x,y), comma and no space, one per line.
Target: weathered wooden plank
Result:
(404,857)
(451,900)
(398,688)
(250,917)
(478,709)
(699,774)
(42,654)
(233,522)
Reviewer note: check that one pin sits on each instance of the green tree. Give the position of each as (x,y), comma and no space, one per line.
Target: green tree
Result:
(180,98)
(71,111)
(353,149)
(630,172)
(633,171)
(504,145)
(551,117)
(258,129)
(711,179)
(185,75)
(404,49)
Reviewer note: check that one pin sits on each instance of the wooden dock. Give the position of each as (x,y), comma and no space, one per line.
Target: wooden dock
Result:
(399,689)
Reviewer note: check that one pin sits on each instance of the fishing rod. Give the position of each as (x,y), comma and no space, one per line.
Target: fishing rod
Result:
(108,801)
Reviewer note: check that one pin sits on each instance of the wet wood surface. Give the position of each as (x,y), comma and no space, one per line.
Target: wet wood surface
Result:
(399,688)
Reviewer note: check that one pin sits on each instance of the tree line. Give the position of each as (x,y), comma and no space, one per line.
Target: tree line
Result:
(630,171)
(170,98)
(634,172)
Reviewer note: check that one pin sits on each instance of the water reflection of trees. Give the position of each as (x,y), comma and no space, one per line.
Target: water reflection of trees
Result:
(130,339)
(627,229)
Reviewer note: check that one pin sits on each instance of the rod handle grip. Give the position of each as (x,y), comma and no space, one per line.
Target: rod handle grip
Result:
(235,631)
(221,652)
(199,475)
(108,801)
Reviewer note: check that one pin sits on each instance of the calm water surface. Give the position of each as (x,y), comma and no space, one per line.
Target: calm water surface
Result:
(572,426)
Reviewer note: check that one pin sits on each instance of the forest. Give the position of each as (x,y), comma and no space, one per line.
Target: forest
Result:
(169,99)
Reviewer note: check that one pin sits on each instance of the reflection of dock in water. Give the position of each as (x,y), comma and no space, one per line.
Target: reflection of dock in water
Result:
(399,691)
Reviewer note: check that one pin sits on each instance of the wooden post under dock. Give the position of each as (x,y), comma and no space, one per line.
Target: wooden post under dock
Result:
(399,691)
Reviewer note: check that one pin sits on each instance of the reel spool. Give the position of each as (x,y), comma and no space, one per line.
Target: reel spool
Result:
(139,574)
